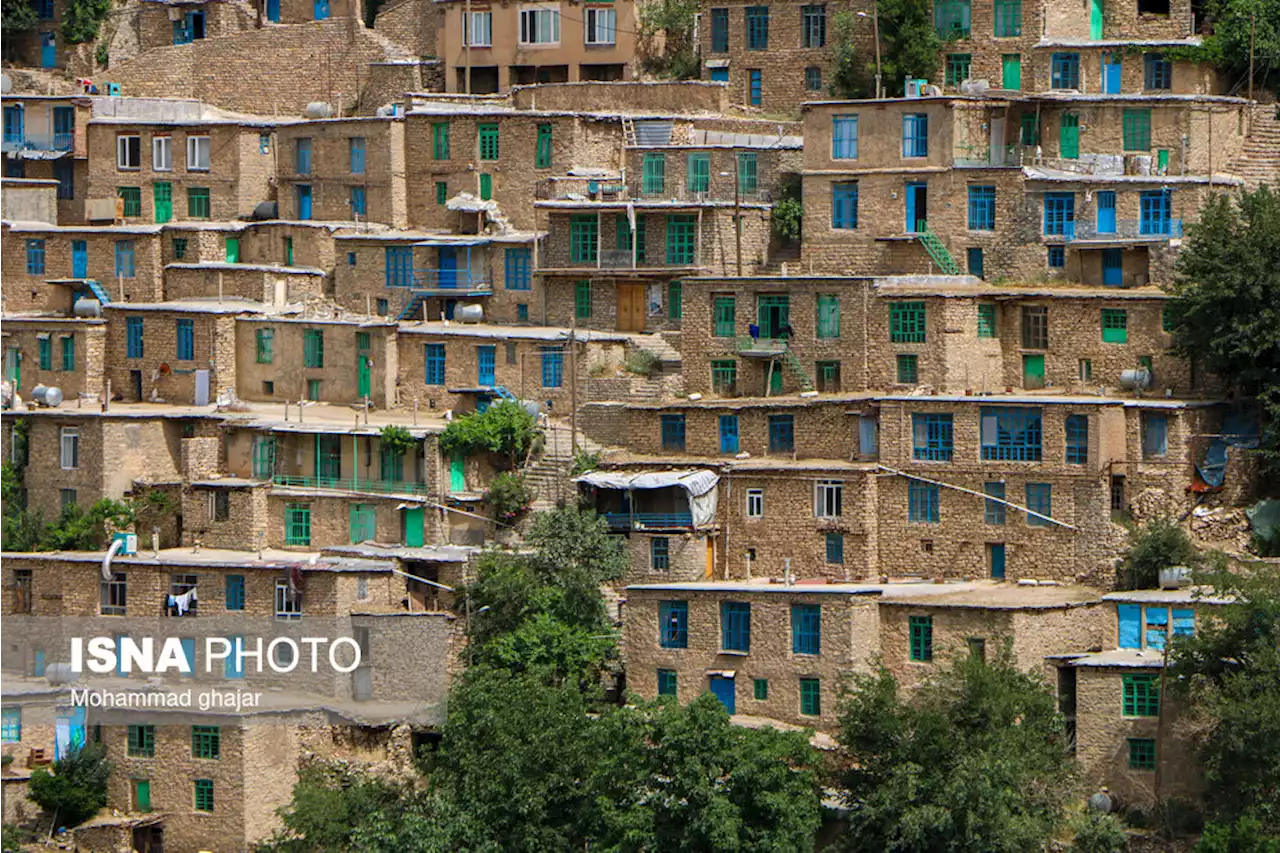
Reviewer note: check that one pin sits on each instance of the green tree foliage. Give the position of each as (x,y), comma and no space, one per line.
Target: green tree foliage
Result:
(18,17)
(509,497)
(1230,670)
(396,439)
(574,542)
(1160,544)
(77,787)
(73,530)
(975,762)
(505,429)
(666,43)
(1228,45)
(1226,305)
(83,20)
(1096,832)
(788,219)
(1243,835)
(909,42)
(848,76)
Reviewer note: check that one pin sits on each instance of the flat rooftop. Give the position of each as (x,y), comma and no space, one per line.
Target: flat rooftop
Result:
(272,559)
(985,595)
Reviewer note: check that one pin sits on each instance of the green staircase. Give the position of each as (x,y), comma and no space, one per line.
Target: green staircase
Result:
(797,370)
(936,250)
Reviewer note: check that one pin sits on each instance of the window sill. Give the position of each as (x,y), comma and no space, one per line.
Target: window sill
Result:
(733,653)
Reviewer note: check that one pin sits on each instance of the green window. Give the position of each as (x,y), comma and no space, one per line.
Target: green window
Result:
(488,141)
(725,310)
(542,157)
(1142,753)
(582,300)
(198,206)
(908,368)
(1141,696)
(957,68)
(204,795)
(681,240)
(206,742)
(828,316)
(442,192)
(179,247)
(655,173)
(264,457)
(622,227)
(986,320)
(68,352)
(391,465)
(583,237)
(142,742)
(486,186)
(921,628)
(313,390)
(313,348)
(297,524)
(1137,129)
(675,301)
(440,140)
(724,376)
(748,173)
(760,689)
(1029,129)
(1115,326)
(266,345)
(906,322)
(699,173)
(1008,18)
(46,353)
(667,682)
(1166,320)
(364,523)
(810,697)
(132,200)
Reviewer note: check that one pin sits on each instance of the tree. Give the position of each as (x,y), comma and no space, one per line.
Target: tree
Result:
(19,16)
(848,77)
(909,41)
(1226,301)
(975,762)
(84,19)
(1096,832)
(509,497)
(77,787)
(1160,544)
(506,429)
(1228,44)
(1243,835)
(665,39)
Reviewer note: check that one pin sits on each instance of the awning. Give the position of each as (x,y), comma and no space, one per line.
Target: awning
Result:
(700,485)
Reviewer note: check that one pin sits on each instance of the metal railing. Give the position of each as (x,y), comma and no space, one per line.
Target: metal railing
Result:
(28,141)
(1129,229)
(992,155)
(648,520)
(672,191)
(450,279)
(761,346)
(351,484)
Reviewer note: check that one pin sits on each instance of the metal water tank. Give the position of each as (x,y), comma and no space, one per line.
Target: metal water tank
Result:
(87,307)
(60,673)
(469,313)
(318,109)
(47,395)
(1135,379)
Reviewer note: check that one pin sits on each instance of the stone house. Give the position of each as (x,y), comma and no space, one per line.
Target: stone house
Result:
(67,353)
(47,267)
(282,358)
(347,169)
(45,137)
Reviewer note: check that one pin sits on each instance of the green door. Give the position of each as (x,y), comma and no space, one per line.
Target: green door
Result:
(1095,19)
(775,379)
(288,251)
(328,457)
(1162,161)
(457,474)
(233,250)
(1011,65)
(264,457)
(413,527)
(1033,371)
(142,794)
(13,367)
(365,375)
(162,194)
(1069,136)
(773,314)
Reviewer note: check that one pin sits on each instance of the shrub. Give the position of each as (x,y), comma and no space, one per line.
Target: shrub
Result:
(505,428)
(1098,833)
(77,787)
(643,362)
(509,497)
(102,55)
(1160,544)
(583,462)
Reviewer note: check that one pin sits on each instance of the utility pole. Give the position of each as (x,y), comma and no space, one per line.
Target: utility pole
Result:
(466,47)
(573,385)
(1252,21)
(737,210)
(875,23)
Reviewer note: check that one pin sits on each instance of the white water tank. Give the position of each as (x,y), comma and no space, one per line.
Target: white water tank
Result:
(60,673)
(318,109)
(469,313)
(47,395)
(1135,379)
(86,307)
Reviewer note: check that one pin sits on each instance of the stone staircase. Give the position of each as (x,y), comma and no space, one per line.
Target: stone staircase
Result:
(789,255)
(549,474)
(1259,160)
(659,346)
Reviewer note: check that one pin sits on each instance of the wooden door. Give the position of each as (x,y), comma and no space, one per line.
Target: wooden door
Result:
(631,307)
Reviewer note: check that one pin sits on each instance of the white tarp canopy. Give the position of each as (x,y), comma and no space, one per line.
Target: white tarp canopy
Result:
(700,484)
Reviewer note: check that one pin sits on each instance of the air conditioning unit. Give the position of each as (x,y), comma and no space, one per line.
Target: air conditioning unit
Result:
(914,88)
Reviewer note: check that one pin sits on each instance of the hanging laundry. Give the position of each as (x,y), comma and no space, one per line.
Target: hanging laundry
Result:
(182,603)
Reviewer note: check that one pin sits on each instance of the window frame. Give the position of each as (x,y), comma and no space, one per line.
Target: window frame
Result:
(199,153)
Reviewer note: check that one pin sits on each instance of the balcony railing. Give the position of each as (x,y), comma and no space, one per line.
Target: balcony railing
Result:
(443,279)
(680,192)
(350,484)
(38,142)
(648,520)
(1130,229)
(761,346)
(992,155)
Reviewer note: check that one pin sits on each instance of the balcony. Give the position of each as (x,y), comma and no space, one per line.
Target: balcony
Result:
(446,279)
(348,484)
(1150,230)
(682,193)
(761,347)
(39,142)
(978,156)
(618,521)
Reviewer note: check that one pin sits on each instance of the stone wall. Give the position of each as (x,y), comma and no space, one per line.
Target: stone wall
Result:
(26,292)
(85,374)
(331,177)
(213,350)
(664,97)
(413,25)
(286,375)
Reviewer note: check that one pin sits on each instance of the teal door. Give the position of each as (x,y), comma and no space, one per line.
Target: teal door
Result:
(486,359)
(917,207)
(79,259)
(234,666)
(458,474)
(304,201)
(366,376)
(1011,71)
(1069,136)
(48,51)
(722,688)
(448,276)
(321,9)
(995,557)
(328,458)
(273,11)
(413,518)
(1033,371)
(1095,19)
(1112,267)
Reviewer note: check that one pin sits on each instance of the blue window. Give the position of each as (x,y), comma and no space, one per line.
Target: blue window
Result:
(1184,623)
(931,437)
(993,511)
(673,432)
(844,137)
(1057,257)
(813,78)
(357,155)
(735,626)
(44,9)
(1155,435)
(133,337)
(1011,434)
(351,259)
(1157,627)
(923,501)
(835,548)
(126,263)
(35,257)
(719,30)
(844,205)
(433,355)
(974,259)
(982,208)
(668,682)
(302,158)
(782,433)
(1060,214)
(757,27)
(1130,628)
(1157,72)
(399,266)
(358,205)
(1039,499)
(1077,429)
(756,77)
(728,433)
(522,312)
(11,724)
(552,367)
(915,135)
(673,624)
(1065,71)
(235,592)
(1156,211)
(806,629)
(518,269)
(486,363)
(186,340)
(660,553)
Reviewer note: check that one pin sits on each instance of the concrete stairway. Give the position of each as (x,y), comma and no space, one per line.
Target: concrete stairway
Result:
(1259,161)
(549,474)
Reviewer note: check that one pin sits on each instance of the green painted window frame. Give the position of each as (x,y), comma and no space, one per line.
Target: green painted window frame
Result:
(206,742)
(297,524)
(668,682)
(654,171)
(1115,326)
(46,353)
(542,154)
(828,316)
(724,375)
(1008,19)
(265,340)
(987,320)
(682,240)
(760,689)
(68,345)
(907,322)
(958,67)
(582,300)
(489,140)
(132,200)
(1141,695)
(442,192)
(584,236)
(141,741)
(363,523)
(1142,753)
(1136,129)
(199,205)
(724,311)
(748,173)
(921,638)
(811,697)
(699,176)
(908,364)
(675,300)
(204,795)
(440,140)
(313,348)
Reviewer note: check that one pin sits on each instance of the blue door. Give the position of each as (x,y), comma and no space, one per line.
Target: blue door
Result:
(79,259)
(48,51)
(273,11)
(728,433)
(448,266)
(719,75)
(234,663)
(917,206)
(1107,212)
(997,560)
(722,689)
(1130,618)
(321,8)
(1110,74)
(1112,268)
(304,201)
(68,731)
(486,359)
